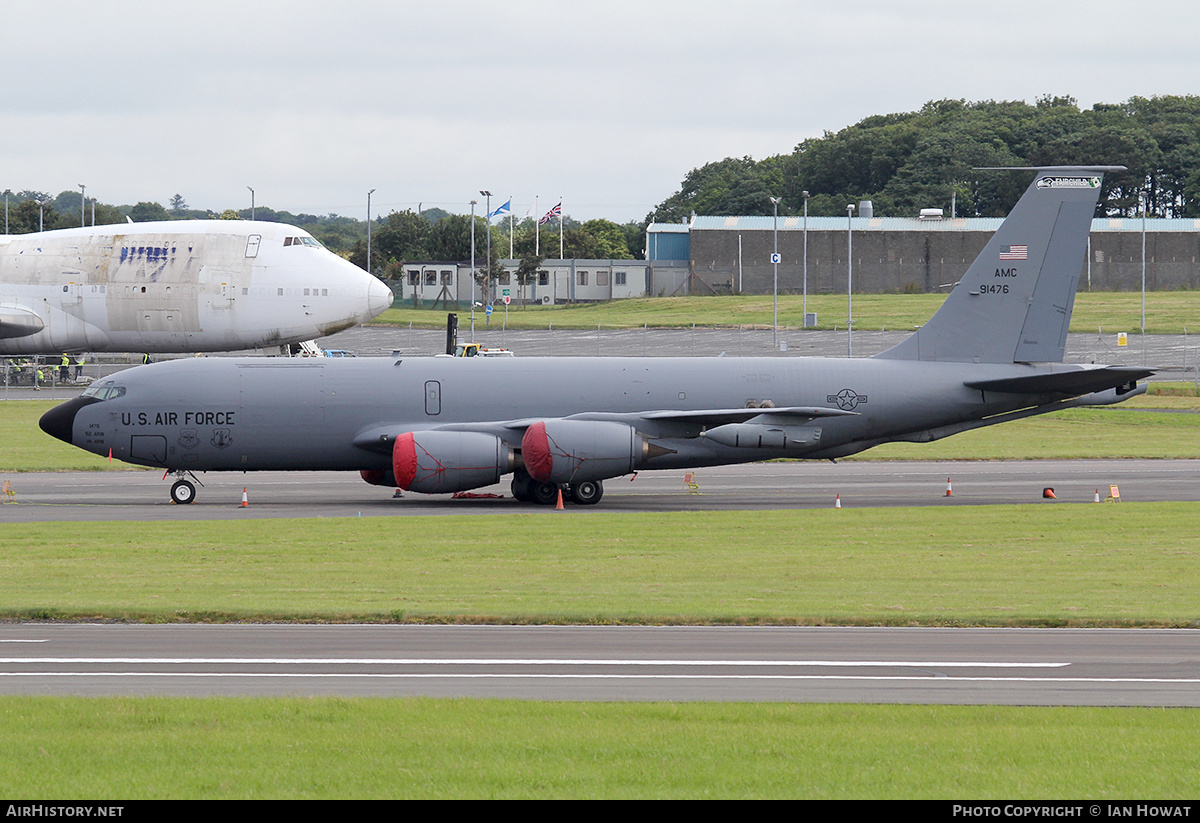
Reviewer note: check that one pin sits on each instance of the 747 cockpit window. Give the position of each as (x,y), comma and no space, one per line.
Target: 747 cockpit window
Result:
(105,391)
(302,241)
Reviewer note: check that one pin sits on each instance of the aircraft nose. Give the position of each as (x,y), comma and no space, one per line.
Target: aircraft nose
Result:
(59,422)
(379,296)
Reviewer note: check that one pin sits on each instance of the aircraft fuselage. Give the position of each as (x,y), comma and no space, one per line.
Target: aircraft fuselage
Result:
(176,286)
(222,414)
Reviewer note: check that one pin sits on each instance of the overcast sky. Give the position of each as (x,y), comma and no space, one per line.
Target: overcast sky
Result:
(608,106)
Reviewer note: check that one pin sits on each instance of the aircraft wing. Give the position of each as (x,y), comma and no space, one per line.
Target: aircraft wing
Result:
(1078,381)
(656,423)
(689,423)
(18,321)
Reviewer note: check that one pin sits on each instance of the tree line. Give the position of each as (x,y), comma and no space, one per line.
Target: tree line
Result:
(400,237)
(907,161)
(29,211)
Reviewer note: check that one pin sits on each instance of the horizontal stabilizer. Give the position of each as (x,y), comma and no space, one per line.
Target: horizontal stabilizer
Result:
(1080,381)
(18,321)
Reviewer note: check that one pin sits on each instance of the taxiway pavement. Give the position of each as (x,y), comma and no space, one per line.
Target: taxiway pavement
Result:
(143,495)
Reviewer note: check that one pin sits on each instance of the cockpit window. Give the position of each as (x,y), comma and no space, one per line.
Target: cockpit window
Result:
(302,241)
(104,391)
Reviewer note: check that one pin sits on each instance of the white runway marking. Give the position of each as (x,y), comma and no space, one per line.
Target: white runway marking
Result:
(436,661)
(546,676)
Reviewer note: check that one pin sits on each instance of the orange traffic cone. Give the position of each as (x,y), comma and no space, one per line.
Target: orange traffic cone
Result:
(1048,493)
(949,488)
(837,502)
(1097,500)
(559,506)
(245,500)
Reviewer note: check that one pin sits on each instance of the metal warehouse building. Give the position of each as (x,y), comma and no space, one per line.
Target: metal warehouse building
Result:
(898,254)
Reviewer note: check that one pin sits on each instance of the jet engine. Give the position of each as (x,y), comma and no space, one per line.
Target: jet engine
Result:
(379,477)
(436,462)
(572,451)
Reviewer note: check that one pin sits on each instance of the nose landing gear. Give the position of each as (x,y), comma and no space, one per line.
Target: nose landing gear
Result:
(182,490)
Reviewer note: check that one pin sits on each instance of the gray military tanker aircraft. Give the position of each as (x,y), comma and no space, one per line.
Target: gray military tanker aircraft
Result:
(992,353)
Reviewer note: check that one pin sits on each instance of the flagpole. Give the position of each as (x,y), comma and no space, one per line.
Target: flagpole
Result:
(560,228)
(510,230)
(537,229)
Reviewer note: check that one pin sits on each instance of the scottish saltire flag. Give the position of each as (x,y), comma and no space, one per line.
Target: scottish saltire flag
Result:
(1015,252)
(554,214)
(501,209)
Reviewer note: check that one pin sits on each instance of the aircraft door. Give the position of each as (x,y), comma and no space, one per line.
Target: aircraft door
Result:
(72,291)
(219,286)
(148,448)
(433,397)
(252,244)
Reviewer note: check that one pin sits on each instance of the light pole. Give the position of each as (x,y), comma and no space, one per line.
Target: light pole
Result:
(775,288)
(251,203)
(82,205)
(372,191)
(804,194)
(850,280)
(473,202)
(1144,204)
(488,209)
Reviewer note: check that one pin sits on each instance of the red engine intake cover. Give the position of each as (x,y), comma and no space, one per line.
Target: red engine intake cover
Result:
(404,460)
(535,449)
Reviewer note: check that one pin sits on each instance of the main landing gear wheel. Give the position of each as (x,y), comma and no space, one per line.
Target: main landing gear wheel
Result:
(587,493)
(522,487)
(183,492)
(544,493)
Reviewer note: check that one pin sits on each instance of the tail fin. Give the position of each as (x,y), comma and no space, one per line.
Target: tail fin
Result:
(1014,303)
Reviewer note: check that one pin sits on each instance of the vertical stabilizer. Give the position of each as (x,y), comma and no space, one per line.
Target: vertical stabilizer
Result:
(1014,303)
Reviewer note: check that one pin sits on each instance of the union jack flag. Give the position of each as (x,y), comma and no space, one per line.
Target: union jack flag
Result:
(554,214)
(1014,252)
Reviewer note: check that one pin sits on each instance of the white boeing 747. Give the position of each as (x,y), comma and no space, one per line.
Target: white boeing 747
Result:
(177,286)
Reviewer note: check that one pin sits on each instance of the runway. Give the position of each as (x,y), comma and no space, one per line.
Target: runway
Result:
(143,495)
(1097,667)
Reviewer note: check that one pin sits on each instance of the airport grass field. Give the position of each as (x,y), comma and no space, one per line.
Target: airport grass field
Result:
(127,748)
(1078,565)
(1066,565)
(1167,312)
